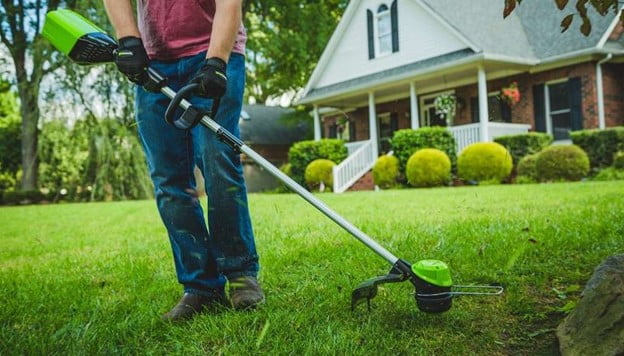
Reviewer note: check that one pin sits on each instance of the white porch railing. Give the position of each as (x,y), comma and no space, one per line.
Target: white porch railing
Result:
(354,146)
(468,134)
(355,166)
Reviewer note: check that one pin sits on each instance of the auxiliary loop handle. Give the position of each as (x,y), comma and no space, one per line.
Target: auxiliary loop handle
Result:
(191,116)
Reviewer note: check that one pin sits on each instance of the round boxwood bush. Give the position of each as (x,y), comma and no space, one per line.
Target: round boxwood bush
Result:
(484,162)
(428,167)
(527,168)
(386,171)
(562,162)
(320,171)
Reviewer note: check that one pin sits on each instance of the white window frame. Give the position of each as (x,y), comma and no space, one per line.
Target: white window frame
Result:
(379,16)
(549,113)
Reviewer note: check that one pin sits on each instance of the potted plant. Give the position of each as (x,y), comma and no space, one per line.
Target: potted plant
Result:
(510,94)
(445,106)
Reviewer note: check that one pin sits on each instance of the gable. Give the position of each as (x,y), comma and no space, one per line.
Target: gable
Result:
(421,36)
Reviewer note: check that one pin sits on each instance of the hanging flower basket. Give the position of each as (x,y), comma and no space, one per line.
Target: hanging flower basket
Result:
(445,105)
(510,94)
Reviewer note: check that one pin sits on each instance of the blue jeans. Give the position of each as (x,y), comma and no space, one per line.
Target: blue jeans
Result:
(204,256)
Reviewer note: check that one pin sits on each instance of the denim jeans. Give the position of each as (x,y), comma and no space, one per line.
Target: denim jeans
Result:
(204,256)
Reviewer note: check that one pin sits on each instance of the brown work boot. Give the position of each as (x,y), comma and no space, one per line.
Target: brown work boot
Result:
(191,304)
(245,293)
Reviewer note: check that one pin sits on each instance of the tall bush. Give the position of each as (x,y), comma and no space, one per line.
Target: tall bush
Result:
(600,145)
(304,152)
(485,162)
(523,145)
(406,142)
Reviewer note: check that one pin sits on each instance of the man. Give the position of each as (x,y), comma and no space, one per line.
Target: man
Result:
(194,41)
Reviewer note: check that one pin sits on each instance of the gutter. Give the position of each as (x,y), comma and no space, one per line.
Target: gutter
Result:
(600,91)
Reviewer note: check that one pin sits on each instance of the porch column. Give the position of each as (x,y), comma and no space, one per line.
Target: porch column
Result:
(317,124)
(483,106)
(600,91)
(414,106)
(372,123)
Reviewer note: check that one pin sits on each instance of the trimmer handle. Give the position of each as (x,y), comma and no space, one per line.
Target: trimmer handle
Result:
(191,116)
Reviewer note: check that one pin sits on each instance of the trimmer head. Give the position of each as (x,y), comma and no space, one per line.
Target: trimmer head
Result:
(434,289)
(78,38)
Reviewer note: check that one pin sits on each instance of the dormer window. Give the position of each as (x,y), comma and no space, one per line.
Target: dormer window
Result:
(383,30)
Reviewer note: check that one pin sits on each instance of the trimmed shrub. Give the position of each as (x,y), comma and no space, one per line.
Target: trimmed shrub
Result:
(428,167)
(618,160)
(301,154)
(484,162)
(600,145)
(610,173)
(527,167)
(320,171)
(520,146)
(406,142)
(386,171)
(7,181)
(562,162)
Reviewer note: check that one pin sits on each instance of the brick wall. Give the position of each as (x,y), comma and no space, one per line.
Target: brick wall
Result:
(613,93)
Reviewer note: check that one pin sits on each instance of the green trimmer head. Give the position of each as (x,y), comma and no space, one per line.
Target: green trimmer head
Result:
(78,38)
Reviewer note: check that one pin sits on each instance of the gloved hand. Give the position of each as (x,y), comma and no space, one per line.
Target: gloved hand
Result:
(132,60)
(212,78)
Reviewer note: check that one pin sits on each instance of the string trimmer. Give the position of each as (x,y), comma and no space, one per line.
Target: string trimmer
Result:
(86,44)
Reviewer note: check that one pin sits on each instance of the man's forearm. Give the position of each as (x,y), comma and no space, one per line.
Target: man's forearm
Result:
(227,21)
(121,15)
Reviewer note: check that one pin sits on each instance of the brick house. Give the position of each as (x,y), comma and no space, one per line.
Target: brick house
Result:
(388,60)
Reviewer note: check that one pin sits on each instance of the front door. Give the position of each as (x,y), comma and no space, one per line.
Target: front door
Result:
(387,124)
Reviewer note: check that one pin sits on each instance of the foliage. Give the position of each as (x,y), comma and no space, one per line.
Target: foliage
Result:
(320,173)
(522,145)
(7,180)
(15,197)
(10,132)
(609,173)
(527,167)
(304,152)
(484,162)
(562,162)
(286,39)
(406,142)
(99,160)
(428,167)
(600,145)
(601,6)
(386,171)
(618,160)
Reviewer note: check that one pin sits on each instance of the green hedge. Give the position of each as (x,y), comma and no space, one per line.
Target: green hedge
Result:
(304,152)
(16,197)
(600,145)
(520,146)
(406,142)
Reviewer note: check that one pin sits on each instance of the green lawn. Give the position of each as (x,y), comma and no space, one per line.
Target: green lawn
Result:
(94,278)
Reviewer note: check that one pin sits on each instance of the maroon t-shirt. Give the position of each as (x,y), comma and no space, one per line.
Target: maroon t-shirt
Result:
(172,29)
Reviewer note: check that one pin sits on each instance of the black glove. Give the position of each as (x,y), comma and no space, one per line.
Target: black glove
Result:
(212,78)
(132,60)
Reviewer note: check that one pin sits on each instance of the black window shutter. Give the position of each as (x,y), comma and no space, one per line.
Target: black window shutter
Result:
(576,103)
(505,111)
(352,130)
(394,16)
(474,110)
(539,108)
(333,131)
(371,34)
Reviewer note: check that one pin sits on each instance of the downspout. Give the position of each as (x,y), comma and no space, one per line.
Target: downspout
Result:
(600,91)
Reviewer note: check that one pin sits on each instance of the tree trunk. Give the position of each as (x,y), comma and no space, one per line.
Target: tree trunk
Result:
(29,109)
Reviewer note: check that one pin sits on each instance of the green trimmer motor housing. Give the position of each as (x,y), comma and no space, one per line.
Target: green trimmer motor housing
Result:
(78,38)
(85,43)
